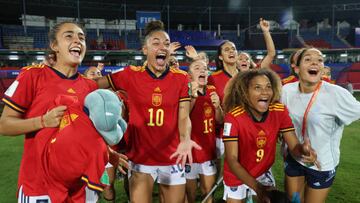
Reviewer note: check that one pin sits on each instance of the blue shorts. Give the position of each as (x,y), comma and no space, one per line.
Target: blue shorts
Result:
(315,179)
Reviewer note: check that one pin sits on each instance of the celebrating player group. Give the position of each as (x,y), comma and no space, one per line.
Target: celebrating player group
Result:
(156,123)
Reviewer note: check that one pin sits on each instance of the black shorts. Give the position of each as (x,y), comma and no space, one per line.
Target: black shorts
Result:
(315,179)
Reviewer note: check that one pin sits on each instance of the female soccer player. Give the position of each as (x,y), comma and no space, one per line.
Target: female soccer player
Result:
(245,62)
(253,121)
(319,111)
(159,124)
(94,72)
(30,106)
(206,112)
(293,77)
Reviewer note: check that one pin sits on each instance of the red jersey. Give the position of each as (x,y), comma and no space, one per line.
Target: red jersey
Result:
(75,156)
(33,93)
(153,106)
(256,139)
(219,79)
(203,127)
(290,79)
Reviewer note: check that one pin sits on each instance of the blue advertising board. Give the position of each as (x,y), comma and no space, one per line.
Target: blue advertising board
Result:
(143,17)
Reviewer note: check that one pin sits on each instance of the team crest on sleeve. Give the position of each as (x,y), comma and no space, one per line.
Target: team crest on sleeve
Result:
(227,129)
(10,91)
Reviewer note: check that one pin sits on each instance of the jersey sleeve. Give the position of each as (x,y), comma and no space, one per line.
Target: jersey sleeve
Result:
(286,124)
(119,80)
(20,94)
(347,107)
(230,132)
(184,92)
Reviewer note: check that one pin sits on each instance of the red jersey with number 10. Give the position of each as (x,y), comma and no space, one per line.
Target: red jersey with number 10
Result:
(203,127)
(256,139)
(153,112)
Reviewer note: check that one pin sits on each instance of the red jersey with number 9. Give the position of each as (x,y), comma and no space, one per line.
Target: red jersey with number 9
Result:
(256,139)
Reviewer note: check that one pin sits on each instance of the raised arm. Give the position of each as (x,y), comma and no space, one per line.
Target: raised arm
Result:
(219,114)
(270,47)
(191,52)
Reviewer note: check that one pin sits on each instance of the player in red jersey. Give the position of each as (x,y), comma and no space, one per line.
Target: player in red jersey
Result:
(326,74)
(94,72)
(206,112)
(293,77)
(73,162)
(159,123)
(30,103)
(252,123)
(245,62)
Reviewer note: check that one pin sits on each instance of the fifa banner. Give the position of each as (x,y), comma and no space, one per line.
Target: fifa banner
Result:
(143,17)
(357,37)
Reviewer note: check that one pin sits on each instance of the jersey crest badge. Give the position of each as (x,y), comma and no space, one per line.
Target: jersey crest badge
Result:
(261,139)
(207,110)
(156,99)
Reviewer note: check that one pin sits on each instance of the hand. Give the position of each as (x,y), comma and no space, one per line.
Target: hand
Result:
(174,46)
(215,99)
(183,151)
(53,117)
(100,66)
(264,25)
(191,52)
(309,155)
(194,88)
(261,193)
(119,160)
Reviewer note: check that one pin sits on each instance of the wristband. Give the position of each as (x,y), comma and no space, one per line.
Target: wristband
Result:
(42,121)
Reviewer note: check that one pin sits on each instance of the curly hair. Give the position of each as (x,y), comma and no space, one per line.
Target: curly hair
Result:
(237,89)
